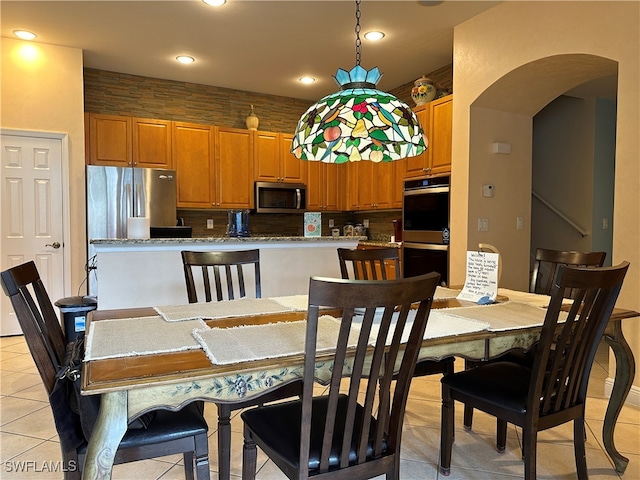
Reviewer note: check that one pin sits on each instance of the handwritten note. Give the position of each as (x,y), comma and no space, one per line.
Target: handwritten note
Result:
(481,284)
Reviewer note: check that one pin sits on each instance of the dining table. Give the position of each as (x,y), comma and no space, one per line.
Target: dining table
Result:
(141,359)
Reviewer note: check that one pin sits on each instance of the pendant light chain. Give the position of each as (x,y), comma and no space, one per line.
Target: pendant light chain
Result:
(358,41)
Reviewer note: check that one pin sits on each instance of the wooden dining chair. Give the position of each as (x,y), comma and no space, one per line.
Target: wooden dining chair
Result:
(168,433)
(224,265)
(545,269)
(384,264)
(354,429)
(553,390)
(228,266)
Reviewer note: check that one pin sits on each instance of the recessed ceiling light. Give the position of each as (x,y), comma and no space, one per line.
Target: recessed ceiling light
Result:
(185,59)
(374,36)
(215,3)
(307,80)
(24,35)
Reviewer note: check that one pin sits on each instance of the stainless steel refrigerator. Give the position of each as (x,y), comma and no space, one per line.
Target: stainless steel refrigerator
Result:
(116,193)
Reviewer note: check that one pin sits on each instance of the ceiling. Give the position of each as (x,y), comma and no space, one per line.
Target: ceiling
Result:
(260,46)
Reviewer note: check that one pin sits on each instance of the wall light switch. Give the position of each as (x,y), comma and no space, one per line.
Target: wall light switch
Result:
(209,223)
(501,147)
(519,223)
(605,223)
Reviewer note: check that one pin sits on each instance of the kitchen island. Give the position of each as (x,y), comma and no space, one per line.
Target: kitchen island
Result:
(143,273)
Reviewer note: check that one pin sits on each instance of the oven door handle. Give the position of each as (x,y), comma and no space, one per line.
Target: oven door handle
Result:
(427,190)
(425,246)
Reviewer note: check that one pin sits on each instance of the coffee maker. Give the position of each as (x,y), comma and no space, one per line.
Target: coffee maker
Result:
(238,225)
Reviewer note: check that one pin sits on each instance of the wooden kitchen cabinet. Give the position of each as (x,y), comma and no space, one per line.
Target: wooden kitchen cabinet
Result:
(151,143)
(436,120)
(274,161)
(109,140)
(193,156)
(234,168)
(128,141)
(323,187)
(374,186)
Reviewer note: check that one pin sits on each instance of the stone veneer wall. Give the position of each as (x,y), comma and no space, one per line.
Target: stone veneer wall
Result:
(115,93)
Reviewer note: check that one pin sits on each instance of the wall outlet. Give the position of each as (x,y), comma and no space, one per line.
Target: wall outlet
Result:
(519,223)
(209,223)
(331,223)
(365,223)
(605,223)
(483,224)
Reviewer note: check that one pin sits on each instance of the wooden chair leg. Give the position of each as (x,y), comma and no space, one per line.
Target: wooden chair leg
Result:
(446,435)
(187,459)
(501,435)
(579,433)
(529,447)
(224,440)
(249,456)
(72,465)
(468,417)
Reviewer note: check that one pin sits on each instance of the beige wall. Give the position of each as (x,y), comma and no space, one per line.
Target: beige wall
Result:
(517,57)
(43,92)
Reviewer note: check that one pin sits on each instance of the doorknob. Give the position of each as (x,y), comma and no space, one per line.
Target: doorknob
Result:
(54,245)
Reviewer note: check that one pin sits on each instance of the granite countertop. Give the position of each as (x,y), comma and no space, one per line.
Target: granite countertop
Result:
(380,243)
(275,239)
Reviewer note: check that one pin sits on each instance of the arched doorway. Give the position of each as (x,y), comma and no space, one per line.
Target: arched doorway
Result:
(504,113)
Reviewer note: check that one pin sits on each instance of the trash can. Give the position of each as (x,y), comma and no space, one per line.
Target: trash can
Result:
(74,314)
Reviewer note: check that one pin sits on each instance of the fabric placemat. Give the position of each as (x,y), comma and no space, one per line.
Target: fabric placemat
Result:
(241,307)
(439,324)
(126,337)
(504,316)
(295,302)
(257,342)
(534,299)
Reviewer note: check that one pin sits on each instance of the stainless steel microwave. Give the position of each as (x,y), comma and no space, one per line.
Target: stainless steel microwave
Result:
(277,197)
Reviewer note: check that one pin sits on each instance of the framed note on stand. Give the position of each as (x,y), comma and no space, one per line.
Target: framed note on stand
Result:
(481,284)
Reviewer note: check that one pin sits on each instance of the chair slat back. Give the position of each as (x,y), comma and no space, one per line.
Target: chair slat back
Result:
(548,262)
(221,265)
(369,264)
(561,371)
(386,335)
(37,319)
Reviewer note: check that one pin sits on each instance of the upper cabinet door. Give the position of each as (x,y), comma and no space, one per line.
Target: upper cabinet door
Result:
(110,140)
(267,157)
(193,155)
(418,166)
(152,143)
(292,169)
(440,134)
(234,168)
(274,161)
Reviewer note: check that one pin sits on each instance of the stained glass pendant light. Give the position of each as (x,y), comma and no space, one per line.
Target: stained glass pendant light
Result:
(358,122)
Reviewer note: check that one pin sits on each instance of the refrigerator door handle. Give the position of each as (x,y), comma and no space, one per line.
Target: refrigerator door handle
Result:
(128,199)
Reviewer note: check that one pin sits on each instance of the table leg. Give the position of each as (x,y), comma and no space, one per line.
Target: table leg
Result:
(224,441)
(625,372)
(111,425)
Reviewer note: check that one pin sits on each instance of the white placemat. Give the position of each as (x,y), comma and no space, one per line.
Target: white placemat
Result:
(256,342)
(439,324)
(126,337)
(504,316)
(241,307)
(534,299)
(295,302)
(443,293)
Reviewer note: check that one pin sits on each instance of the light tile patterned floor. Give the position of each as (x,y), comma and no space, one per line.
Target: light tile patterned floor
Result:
(28,440)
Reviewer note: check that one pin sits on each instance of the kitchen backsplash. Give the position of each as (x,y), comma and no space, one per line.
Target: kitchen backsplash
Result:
(290,224)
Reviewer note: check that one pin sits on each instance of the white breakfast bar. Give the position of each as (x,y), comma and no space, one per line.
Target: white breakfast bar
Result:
(140,273)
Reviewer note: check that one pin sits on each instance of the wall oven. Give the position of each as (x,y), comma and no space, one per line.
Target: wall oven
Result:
(425,227)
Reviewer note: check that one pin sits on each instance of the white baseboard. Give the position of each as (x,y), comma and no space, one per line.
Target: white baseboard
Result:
(634,394)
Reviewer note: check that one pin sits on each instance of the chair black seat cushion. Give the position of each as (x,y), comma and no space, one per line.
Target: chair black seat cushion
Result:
(165,426)
(504,384)
(278,426)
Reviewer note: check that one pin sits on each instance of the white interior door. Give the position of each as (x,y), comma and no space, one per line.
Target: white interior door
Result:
(31,227)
